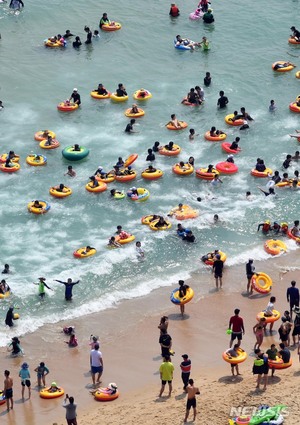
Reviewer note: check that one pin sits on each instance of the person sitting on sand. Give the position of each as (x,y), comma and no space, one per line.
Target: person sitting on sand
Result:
(112,243)
(233,352)
(101,90)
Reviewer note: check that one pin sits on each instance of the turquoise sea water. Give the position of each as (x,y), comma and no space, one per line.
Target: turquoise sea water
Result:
(245,40)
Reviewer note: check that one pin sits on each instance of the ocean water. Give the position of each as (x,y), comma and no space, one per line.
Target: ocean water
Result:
(245,40)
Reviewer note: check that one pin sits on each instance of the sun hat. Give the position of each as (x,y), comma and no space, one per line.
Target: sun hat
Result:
(25,366)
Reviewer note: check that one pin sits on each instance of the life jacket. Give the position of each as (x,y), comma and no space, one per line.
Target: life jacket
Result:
(266,227)
(174,11)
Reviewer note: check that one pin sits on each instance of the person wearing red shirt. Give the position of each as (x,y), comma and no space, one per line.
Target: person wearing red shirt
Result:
(236,324)
(174,11)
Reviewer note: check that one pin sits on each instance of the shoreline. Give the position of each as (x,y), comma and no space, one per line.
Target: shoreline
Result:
(129,333)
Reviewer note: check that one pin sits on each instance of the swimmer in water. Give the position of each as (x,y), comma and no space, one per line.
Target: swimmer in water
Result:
(113,243)
(94,181)
(140,253)
(272,106)
(77,43)
(129,127)
(207,79)
(174,122)
(101,90)
(235,144)
(192,134)
(68,288)
(222,101)
(75,96)
(70,172)
(121,91)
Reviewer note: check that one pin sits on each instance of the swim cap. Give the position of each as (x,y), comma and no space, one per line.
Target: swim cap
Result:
(53,384)
(267,222)
(75,89)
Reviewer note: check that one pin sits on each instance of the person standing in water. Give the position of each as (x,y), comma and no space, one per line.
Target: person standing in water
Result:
(69,288)
(42,284)
(16,4)
(182,293)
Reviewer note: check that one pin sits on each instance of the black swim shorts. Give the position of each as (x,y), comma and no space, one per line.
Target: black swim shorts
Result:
(25,382)
(238,335)
(191,402)
(9,393)
(164,382)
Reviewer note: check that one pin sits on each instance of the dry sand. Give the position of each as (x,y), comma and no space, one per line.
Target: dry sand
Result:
(129,343)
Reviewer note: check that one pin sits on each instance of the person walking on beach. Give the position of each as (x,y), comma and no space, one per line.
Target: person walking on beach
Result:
(42,371)
(258,331)
(166,375)
(260,368)
(68,288)
(96,364)
(250,271)
(233,352)
(185,367)
(218,269)
(165,341)
(163,324)
(70,407)
(182,293)
(42,284)
(24,374)
(191,400)
(272,354)
(292,296)
(236,324)
(8,390)
(296,330)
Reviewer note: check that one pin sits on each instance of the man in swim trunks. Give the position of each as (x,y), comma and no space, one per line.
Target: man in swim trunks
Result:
(165,341)
(236,324)
(191,399)
(222,101)
(218,269)
(8,390)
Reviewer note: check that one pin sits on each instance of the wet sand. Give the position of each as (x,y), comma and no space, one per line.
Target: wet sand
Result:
(131,353)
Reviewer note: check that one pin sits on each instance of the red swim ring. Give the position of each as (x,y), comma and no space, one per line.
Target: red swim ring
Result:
(227,167)
(226,148)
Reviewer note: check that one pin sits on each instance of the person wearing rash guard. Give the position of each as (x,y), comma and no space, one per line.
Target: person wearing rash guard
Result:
(174,11)
(68,34)
(77,43)
(88,36)
(76,97)
(207,79)
(121,91)
(208,17)
(156,147)
(266,227)
(101,90)
(150,156)
(296,34)
(222,101)
(68,288)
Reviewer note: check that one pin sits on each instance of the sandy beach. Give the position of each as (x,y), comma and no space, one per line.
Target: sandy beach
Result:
(131,353)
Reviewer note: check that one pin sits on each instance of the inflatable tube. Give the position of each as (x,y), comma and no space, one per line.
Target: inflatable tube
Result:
(2,398)
(183,172)
(226,147)
(46,393)
(16,316)
(297,75)
(187,103)
(71,155)
(55,144)
(174,152)
(32,160)
(152,176)
(40,135)
(285,184)
(285,69)
(261,174)
(261,283)
(109,179)
(111,27)
(210,262)
(196,15)
(126,178)
(4,156)
(152,225)
(138,114)
(79,253)
(278,363)
(119,195)
(130,238)
(186,213)
(181,46)
(241,420)
(6,295)
(143,195)
(12,169)
(183,125)
(202,173)
(146,219)
(294,108)
(275,247)
(116,98)
(67,191)
(137,95)
(34,210)
(219,138)
(63,107)
(293,41)
(53,44)
(236,123)
(130,160)
(104,394)
(269,319)
(94,94)
(291,236)
(176,299)
(242,356)
(98,189)
(227,167)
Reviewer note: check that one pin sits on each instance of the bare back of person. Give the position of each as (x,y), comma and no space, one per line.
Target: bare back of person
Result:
(192,391)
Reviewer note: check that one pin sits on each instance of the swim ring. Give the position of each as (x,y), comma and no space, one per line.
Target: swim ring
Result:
(79,253)
(285,184)
(202,173)
(138,114)
(293,41)
(6,295)
(275,247)
(226,147)
(143,195)
(294,108)
(285,69)
(137,95)
(34,210)
(218,138)
(261,283)
(54,144)
(279,364)
(241,357)
(67,107)
(94,94)
(183,125)
(228,120)
(227,167)
(261,174)
(130,160)
(3,158)
(127,177)
(40,135)
(176,299)
(109,179)
(152,225)
(98,189)
(72,155)
(185,213)
(291,236)
(196,15)
(146,219)
(210,261)
(113,26)
(116,98)
(53,44)
(182,46)
(269,319)
(183,172)
(105,394)
(152,176)
(12,169)
(297,75)
(2,398)
(176,149)
(67,191)
(32,160)
(119,195)
(124,241)
(46,393)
